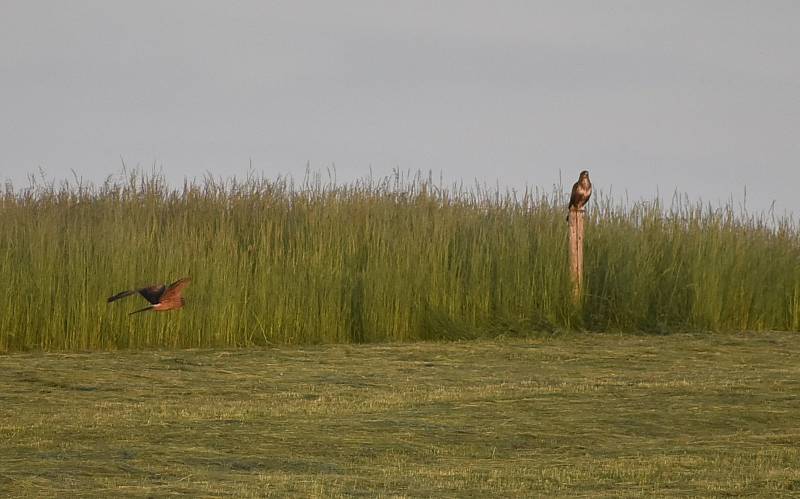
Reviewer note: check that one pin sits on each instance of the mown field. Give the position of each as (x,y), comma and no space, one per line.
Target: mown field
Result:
(390,259)
(585,414)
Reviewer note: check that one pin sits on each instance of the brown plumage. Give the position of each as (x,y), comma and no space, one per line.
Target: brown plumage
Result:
(581,192)
(161,298)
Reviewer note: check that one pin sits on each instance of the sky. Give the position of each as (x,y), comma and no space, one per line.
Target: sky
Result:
(702,97)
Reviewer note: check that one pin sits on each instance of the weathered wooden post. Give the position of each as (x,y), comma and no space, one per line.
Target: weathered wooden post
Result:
(576,252)
(581,192)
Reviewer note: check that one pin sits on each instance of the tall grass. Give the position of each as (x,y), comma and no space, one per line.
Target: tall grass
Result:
(392,259)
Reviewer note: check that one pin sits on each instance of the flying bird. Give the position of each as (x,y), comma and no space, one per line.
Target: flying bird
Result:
(161,297)
(581,192)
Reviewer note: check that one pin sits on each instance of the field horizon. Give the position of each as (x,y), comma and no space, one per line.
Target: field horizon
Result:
(398,258)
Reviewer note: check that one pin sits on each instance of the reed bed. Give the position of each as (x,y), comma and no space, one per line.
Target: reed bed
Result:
(400,258)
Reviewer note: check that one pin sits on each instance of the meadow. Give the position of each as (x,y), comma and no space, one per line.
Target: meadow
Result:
(587,415)
(394,259)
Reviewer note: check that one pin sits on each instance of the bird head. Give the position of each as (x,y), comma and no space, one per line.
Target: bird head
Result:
(585,174)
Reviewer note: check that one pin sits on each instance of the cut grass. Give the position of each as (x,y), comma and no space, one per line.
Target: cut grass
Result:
(576,415)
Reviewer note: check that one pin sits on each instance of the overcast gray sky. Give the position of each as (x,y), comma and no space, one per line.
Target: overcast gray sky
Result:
(699,96)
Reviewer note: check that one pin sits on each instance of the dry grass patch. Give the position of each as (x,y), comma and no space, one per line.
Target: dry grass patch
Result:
(584,414)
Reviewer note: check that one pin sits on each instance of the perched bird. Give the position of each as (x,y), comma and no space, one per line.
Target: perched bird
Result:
(161,298)
(581,192)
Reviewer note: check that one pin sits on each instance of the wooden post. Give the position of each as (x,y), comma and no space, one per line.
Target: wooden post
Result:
(576,253)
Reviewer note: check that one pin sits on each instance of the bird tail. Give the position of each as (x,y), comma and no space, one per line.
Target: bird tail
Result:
(145,309)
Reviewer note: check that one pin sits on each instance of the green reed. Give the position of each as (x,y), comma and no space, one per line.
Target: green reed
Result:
(400,258)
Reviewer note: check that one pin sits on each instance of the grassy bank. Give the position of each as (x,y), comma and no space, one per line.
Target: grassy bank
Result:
(392,259)
(587,415)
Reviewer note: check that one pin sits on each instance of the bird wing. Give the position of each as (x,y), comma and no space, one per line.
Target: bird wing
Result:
(121,295)
(145,309)
(172,295)
(575,198)
(152,294)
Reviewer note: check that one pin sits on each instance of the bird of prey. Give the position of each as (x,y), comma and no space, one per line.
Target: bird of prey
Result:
(161,297)
(581,192)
